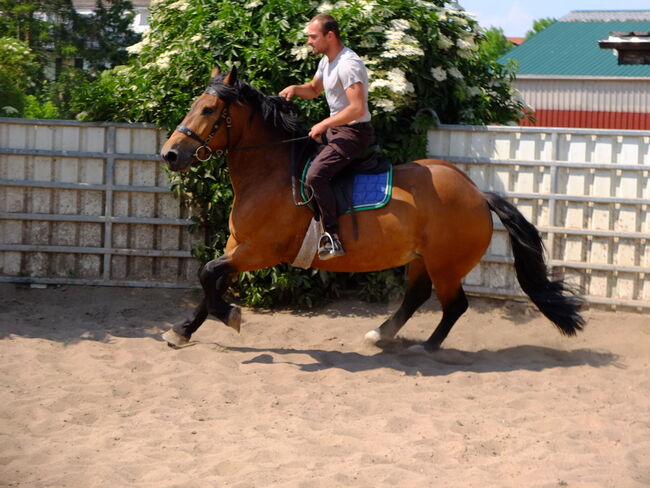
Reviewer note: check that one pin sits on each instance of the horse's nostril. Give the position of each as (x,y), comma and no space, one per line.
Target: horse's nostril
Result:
(170,156)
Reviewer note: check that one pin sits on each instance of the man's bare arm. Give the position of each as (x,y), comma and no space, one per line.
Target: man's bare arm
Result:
(356,109)
(308,90)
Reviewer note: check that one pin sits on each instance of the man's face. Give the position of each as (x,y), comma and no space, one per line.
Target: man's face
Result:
(318,41)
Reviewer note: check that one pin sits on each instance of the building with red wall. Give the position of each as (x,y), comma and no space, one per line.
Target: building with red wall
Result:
(568,80)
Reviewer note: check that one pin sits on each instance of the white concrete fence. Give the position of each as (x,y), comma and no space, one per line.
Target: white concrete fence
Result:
(89,203)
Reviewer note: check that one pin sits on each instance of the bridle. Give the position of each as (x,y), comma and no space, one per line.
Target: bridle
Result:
(224,117)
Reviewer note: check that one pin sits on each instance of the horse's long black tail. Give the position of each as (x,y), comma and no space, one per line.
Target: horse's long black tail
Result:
(553,298)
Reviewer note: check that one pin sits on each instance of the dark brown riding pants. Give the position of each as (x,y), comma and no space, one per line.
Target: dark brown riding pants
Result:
(344,144)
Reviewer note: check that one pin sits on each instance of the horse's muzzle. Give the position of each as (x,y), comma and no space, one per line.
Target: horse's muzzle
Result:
(175,161)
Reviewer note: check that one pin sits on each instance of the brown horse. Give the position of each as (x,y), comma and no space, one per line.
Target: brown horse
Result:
(438,222)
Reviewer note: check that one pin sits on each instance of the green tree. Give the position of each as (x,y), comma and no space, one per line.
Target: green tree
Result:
(494,44)
(108,34)
(49,27)
(539,25)
(420,55)
(18,72)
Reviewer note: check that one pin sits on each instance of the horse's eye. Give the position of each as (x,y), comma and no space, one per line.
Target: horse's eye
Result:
(208,111)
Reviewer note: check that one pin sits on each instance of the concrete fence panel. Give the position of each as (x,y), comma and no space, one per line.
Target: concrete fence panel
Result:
(87,203)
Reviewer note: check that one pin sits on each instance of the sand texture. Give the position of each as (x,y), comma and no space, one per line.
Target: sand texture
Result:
(91,397)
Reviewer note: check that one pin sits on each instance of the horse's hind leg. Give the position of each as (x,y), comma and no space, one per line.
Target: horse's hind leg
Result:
(418,291)
(215,277)
(454,304)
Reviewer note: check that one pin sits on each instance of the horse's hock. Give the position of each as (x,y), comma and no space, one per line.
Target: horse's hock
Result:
(89,203)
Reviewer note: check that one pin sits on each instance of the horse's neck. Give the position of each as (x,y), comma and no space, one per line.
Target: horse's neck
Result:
(253,169)
(268,166)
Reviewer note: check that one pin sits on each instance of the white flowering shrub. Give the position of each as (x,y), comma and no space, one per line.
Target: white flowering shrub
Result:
(420,55)
(18,69)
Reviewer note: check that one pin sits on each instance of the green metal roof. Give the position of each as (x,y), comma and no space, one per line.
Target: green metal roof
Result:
(571,49)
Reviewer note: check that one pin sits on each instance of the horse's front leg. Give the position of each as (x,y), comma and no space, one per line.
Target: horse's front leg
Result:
(215,277)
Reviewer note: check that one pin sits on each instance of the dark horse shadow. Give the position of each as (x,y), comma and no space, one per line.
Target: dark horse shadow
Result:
(439,363)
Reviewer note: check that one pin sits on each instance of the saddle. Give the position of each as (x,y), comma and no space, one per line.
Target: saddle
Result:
(365,184)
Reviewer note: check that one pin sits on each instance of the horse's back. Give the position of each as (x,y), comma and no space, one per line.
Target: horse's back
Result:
(441,183)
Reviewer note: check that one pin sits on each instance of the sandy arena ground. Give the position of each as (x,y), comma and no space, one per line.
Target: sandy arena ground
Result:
(91,397)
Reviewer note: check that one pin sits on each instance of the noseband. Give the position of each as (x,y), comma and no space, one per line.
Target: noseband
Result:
(208,152)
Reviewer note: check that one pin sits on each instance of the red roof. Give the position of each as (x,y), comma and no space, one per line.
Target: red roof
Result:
(516,40)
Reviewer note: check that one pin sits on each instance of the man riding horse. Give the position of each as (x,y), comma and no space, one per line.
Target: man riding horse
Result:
(348,131)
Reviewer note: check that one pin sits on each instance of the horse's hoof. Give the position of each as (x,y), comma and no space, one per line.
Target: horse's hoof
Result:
(234,318)
(418,349)
(174,339)
(373,337)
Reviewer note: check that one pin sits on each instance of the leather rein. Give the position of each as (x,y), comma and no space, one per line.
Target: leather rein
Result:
(205,148)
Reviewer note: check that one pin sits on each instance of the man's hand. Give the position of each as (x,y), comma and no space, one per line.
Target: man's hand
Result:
(318,130)
(288,93)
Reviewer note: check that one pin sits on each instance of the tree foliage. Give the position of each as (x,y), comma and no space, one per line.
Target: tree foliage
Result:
(18,72)
(419,54)
(39,32)
(48,27)
(539,25)
(107,34)
(494,44)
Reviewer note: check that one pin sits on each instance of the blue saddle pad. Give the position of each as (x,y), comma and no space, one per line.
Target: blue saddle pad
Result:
(369,191)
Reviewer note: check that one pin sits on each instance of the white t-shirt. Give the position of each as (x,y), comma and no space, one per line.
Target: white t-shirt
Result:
(346,70)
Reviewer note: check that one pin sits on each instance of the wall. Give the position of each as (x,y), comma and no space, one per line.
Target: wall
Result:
(588,192)
(89,203)
(587,102)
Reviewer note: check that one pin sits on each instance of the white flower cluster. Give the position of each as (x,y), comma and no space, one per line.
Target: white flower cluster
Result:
(453,72)
(164,60)
(17,47)
(425,4)
(252,4)
(301,52)
(444,42)
(399,43)
(368,5)
(325,7)
(180,5)
(385,104)
(395,82)
(135,48)
(439,73)
(217,24)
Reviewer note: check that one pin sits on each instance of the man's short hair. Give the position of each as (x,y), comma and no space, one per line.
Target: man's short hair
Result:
(328,24)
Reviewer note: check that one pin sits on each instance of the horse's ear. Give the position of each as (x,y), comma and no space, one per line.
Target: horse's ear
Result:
(231,77)
(215,71)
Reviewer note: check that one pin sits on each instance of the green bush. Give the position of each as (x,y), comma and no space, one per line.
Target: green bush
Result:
(12,98)
(35,109)
(420,55)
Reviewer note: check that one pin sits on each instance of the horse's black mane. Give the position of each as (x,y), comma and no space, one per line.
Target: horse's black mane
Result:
(280,113)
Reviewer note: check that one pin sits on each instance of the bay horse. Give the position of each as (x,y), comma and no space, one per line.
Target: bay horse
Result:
(438,222)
